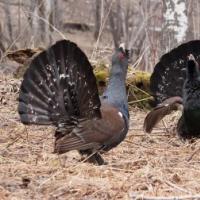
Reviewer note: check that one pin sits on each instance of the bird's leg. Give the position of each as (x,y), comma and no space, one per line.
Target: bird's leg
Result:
(99,159)
(93,157)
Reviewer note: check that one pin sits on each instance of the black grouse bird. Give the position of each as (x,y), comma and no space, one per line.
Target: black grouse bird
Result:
(59,88)
(169,73)
(179,84)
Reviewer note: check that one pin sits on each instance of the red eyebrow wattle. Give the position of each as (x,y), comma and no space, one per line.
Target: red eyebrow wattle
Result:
(121,56)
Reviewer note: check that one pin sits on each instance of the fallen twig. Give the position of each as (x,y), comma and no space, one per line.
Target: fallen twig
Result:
(177,187)
(195,152)
(142,197)
(139,100)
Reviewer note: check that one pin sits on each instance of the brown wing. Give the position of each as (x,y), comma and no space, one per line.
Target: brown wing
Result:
(158,113)
(94,133)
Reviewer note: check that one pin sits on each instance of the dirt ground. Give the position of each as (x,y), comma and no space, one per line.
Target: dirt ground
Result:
(141,167)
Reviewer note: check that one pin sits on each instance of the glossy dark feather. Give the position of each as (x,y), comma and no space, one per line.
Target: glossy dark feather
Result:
(170,72)
(59,87)
(189,88)
(188,125)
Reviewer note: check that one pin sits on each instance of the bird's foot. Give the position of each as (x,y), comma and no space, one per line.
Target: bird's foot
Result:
(92,157)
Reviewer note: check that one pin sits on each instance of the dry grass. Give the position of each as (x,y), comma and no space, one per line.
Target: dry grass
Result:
(153,165)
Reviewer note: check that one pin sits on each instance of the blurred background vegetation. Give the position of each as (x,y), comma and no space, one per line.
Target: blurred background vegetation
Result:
(149,27)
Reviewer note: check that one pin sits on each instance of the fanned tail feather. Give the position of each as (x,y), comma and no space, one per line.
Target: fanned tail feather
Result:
(170,72)
(59,86)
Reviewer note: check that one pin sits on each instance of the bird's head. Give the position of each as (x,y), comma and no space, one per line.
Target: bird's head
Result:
(192,68)
(121,55)
(120,59)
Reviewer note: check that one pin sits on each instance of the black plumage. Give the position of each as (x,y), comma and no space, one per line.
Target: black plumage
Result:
(169,73)
(59,88)
(188,125)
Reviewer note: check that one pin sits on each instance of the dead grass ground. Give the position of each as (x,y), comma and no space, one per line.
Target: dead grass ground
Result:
(155,165)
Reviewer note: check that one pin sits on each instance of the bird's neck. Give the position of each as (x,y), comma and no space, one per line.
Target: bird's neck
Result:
(115,93)
(191,120)
(191,92)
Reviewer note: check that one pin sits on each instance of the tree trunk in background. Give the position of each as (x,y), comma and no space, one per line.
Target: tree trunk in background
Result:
(193,14)
(2,47)
(146,43)
(175,24)
(33,21)
(8,21)
(149,28)
(55,15)
(116,22)
(97,18)
(45,12)
(42,13)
